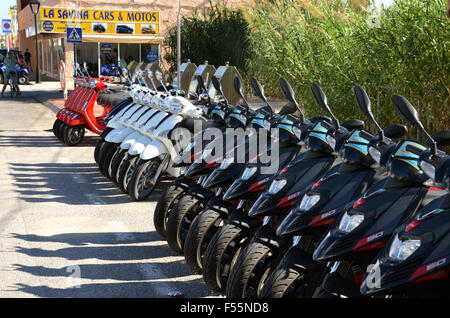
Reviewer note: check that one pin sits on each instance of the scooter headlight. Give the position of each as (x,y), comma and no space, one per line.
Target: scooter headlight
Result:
(161,103)
(226,163)
(350,222)
(155,101)
(375,154)
(308,201)
(401,250)
(428,168)
(176,106)
(277,185)
(248,172)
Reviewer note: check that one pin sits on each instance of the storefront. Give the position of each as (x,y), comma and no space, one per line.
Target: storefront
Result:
(112,31)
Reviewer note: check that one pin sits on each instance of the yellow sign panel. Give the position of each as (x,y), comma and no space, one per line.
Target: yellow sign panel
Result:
(55,20)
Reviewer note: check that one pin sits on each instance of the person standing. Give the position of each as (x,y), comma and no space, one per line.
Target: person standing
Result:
(27,56)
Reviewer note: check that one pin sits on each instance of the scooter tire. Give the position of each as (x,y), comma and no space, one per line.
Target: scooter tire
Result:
(180,220)
(98,146)
(73,135)
(284,282)
(61,129)
(205,225)
(55,128)
(129,166)
(115,164)
(221,254)
(252,267)
(144,170)
(105,156)
(168,200)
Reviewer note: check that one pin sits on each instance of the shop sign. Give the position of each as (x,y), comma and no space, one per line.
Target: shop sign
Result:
(105,49)
(108,22)
(152,56)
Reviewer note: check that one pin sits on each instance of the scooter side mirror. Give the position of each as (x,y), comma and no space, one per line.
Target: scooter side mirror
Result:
(218,87)
(363,101)
(289,94)
(258,90)
(395,131)
(238,89)
(201,88)
(322,100)
(404,108)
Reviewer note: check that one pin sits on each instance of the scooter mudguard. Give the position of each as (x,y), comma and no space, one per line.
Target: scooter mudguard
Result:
(118,135)
(139,145)
(241,219)
(201,193)
(130,140)
(266,235)
(335,285)
(221,206)
(153,149)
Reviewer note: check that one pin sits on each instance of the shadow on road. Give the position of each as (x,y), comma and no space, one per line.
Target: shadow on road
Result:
(42,141)
(74,184)
(126,263)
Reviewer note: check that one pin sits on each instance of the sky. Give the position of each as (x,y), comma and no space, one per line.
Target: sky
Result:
(4,8)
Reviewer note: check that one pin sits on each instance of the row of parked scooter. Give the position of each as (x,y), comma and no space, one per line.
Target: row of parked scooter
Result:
(348,213)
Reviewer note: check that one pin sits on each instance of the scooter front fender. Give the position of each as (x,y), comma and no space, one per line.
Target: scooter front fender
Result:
(139,145)
(118,135)
(153,149)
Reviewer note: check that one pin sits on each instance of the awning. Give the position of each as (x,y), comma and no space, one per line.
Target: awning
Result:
(122,39)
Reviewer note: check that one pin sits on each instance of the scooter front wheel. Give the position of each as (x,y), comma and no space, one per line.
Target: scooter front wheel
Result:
(221,254)
(141,184)
(199,236)
(73,135)
(168,200)
(180,220)
(56,125)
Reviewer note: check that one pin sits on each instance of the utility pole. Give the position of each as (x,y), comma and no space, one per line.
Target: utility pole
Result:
(179,43)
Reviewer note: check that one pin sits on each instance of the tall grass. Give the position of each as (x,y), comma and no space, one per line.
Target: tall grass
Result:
(219,34)
(403,49)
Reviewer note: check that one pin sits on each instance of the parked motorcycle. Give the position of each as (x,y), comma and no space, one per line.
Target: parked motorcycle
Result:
(364,228)
(248,184)
(297,274)
(414,263)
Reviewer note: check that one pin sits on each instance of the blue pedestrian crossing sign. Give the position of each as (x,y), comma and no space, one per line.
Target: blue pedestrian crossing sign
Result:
(74,35)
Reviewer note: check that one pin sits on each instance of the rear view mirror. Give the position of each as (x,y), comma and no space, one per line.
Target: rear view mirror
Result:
(289,94)
(201,88)
(365,105)
(407,111)
(217,85)
(258,90)
(238,89)
(321,99)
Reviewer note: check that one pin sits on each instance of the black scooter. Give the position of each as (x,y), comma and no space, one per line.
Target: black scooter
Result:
(262,255)
(208,194)
(414,263)
(365,227)
(231,239)
(190,158)
(297,274)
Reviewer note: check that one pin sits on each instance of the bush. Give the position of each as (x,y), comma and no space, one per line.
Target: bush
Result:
(405,47)
(218,35)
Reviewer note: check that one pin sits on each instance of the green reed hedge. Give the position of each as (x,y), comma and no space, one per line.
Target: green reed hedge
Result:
(405,47)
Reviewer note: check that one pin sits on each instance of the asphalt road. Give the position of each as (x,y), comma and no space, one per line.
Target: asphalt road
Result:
(65,230)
